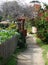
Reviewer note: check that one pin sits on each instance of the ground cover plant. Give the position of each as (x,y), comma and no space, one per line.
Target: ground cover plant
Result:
(45,49)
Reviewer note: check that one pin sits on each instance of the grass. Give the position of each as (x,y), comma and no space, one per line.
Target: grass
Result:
(12,61)
(44,46)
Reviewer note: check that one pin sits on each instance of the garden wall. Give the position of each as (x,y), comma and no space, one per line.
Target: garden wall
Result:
(8,47)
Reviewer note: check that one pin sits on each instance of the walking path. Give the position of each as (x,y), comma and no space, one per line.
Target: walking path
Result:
(33,55)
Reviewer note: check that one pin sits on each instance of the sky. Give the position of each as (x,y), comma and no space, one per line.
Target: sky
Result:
(24,1)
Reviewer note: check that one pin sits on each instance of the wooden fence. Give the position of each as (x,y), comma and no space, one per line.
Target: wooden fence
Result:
(8,47)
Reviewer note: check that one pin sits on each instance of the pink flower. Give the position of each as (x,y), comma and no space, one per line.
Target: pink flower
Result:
(40,14)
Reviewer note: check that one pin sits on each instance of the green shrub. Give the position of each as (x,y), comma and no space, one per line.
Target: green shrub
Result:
(21,41)
(42,26)
(12,26)
(6,34)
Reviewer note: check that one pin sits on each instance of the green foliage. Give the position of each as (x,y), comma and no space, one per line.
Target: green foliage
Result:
(45,49)
(12,61)
(42,26)
(21,42)
(46,5)
(29,25)
(6,34)
(3,26)
(12,26)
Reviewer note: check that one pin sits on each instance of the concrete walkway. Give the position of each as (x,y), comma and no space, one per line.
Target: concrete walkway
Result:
(33,55)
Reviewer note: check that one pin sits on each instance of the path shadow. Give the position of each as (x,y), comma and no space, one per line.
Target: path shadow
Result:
(27,57)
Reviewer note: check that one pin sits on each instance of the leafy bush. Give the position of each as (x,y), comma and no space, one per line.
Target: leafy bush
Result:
(6,34)
(42,25)
(12,26)
(45,49)
(21,41)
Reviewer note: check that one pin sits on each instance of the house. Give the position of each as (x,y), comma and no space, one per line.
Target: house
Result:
(36,7)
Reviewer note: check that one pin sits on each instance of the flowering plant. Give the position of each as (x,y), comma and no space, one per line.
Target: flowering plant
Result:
(42,26)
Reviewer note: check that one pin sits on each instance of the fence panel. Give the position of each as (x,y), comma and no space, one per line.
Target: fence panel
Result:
(8,47)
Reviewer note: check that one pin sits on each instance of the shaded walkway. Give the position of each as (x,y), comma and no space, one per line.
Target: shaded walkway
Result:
(33,55)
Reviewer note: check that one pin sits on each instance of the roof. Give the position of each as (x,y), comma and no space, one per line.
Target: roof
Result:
(4,22)
(34,1)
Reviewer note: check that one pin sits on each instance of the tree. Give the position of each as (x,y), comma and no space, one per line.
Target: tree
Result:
(46,5)
(12,9)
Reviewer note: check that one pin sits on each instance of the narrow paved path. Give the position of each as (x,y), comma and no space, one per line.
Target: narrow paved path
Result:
(33,55)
